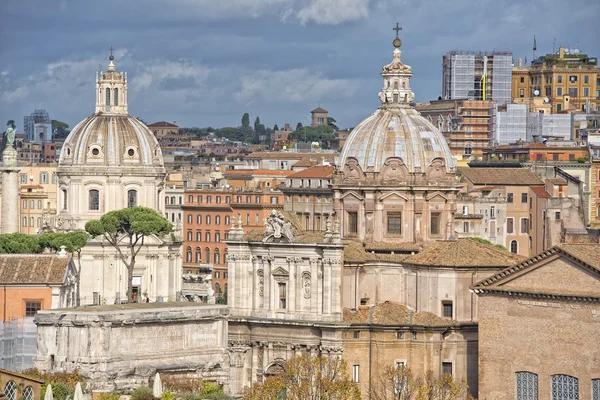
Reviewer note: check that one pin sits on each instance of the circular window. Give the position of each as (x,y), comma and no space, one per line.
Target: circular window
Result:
(95,151)
(131,152)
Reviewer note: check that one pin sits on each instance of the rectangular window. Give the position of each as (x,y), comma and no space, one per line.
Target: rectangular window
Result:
(24,204)
(522,79)
(43,178)
(39,204)
(586,79)
(465,227)
(394,223)
(352,222)
(510,225)
(558,107)
(559,91)
(399,335)
(446,368)
(272,164)
(524,225)
(356,334)
(492,212)
(434,226)
(521,92)
(523,197)
(527,386)
(282,295)
(509,197)
(31,307)
(557,215)
(23,178)
(573,78)
(447,308)
(586,92)
(573,92)
(559,79)
(355,372)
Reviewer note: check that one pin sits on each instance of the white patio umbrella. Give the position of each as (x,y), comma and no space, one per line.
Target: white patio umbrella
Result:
(49,395)
(78,392)
(157,389)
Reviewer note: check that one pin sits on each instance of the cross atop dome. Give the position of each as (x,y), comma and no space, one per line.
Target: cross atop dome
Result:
(397,42)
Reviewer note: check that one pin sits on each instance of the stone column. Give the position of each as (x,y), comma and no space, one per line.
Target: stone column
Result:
(10,190)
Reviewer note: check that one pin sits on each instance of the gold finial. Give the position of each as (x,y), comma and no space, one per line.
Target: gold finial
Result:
(397,42)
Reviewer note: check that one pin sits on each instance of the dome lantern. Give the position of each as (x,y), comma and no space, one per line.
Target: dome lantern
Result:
(111,90)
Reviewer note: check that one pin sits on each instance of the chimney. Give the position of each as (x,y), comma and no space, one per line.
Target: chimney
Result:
(561,52)
(520,62)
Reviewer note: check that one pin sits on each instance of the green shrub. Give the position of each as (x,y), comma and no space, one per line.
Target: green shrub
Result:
(142,393)
(60,391)
(109,396)
(167,395)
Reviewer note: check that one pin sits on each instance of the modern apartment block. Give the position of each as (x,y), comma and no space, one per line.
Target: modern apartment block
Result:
(477,76)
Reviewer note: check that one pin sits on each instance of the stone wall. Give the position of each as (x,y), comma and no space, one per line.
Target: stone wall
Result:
(119,347)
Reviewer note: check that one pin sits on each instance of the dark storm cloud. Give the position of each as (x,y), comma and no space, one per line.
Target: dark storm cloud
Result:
(206,62)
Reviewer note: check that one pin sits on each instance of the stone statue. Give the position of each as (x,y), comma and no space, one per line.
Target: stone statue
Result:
(336,225)
(278,228)
(328,225)
(10,133)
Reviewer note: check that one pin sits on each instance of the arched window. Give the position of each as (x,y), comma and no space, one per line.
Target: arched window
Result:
(188,254)
(190,218)
(395,84)
(166,200)
(207,255)
(94,200)
(218,199)
(209,199)
(217,256)
(198,236)
(207,237)
(468,149)
(28,393)
(228,199)
(199,199)
(527,385)
(225,255)
(189,236)
(199,219)
(217,237)
(208,220)
(218,220)
(217,288)
(107,99)
(131,197)
(10,390)
(64,192)
(565,387)
(227,220)
(514,247)
(198,255)
(190,198)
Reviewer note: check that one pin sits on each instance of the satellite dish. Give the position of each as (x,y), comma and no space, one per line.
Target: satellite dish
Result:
(536,92)
(546,100)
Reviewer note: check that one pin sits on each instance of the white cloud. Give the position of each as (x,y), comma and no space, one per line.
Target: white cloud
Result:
(328,12)
(295,86)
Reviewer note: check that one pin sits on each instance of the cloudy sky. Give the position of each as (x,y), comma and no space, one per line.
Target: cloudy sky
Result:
(206,62)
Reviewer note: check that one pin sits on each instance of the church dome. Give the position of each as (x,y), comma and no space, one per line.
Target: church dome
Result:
(396,131)
(111,140)
(111,137)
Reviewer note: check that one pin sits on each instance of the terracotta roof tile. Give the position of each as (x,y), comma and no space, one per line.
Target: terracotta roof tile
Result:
(162,124)
(354,252)
(33,268)
(463,253)
(501,176)
(394,313)
(558,181)
(321,171)
(540,191)
(587,253)
(278,172)
(305,162)
(319,110)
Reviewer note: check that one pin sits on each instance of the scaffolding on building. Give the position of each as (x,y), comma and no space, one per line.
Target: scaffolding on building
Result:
(511,124)
(18,342)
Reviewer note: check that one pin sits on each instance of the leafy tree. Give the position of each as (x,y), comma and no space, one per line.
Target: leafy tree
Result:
(321,134)
(256,123)
(275,127)
(126,230)
(19,243)
(299,126)
(331,122)
(60,130)
(74,242)
(246,120)
(399,383)
(307,378)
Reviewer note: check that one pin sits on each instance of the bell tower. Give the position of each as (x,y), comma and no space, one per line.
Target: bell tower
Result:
(396,78)
(111,90)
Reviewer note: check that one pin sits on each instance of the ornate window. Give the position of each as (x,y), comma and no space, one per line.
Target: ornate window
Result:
(10,390)
(596,389)
(282,295)
(116,97)
(107,99)
(352,222)
(131,197)
(188,254)
(94,200)
(217,256)
(565,387)
(435,220)
(198,255)
(394,223)
(527,385)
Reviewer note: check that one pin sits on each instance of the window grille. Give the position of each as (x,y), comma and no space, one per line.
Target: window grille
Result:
(10,390)
(28,393)
(94,200)
(565,387)
(394,223)
(595,389)
(527,386)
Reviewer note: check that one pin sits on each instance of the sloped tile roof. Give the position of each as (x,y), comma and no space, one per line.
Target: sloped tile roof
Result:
(394,313)
(354,252)
(501,176)
(540,191)
(319,110)
(463,253)
(321,171)
(162,124)
(33,268)
(587,253)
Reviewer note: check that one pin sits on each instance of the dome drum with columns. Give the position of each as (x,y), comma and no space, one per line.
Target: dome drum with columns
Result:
(396,180)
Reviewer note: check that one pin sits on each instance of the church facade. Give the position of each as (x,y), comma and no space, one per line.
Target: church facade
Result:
(111,161)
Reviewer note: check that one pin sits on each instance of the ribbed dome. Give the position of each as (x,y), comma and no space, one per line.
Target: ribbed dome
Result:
(111,140)
(396,132)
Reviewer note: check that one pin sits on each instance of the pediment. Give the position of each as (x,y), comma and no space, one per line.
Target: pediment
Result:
(433,195)
(353,194)
(393,195)
(553,272)
(280,272)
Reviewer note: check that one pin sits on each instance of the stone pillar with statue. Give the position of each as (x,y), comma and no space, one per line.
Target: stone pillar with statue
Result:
(10,183)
